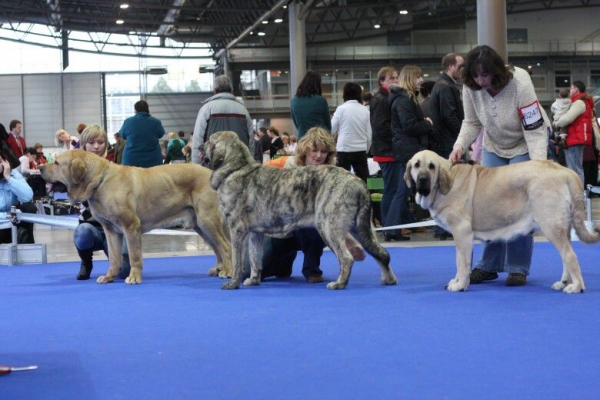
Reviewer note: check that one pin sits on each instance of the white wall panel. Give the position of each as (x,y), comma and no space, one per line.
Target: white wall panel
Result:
(176,111)
(43,110)
(11,106)
(82,100)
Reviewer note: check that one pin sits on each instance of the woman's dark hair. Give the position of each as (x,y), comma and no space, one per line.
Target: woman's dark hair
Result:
(426,88)
(141,106)
(310,85)
(3,133)
(490,62)
(5,151)
(352,91)
(31,150)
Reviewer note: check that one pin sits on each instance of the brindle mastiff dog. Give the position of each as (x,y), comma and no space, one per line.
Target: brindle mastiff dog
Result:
(257,200)
(500,203)
(130,201)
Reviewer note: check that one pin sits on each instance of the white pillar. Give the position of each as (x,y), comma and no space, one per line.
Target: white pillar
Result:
(297,36)
(491,25)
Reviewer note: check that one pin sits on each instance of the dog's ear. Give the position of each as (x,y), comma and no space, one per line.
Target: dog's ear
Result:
(78,169)
(407,176)
(445,180)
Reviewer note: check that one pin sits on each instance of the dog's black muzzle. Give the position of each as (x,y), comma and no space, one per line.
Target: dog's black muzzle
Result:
(423,185)
(203,156)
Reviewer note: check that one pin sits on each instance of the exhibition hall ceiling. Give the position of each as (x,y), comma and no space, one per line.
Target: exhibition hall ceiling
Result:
(219,24)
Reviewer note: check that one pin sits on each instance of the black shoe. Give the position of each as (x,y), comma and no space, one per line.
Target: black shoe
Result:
(86,264)
(516,279)
(388,237)
(85,271)
(315,279)
(284,274)
(479,275)
(446,235)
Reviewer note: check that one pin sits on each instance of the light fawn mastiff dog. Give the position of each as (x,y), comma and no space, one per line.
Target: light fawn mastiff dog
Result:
(257,200)
(490,204)
(129,201)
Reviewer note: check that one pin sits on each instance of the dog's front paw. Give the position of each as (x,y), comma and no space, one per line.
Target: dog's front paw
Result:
(214,272)
(389,280)
(456,286)
(335,286)
(105,279)
(573,288)
(133,280)
(251,282)
(224,275)
(559,285)
(230,285)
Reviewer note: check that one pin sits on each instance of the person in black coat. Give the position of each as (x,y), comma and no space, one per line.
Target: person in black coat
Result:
(409,130)
(446,106)
(382,150)
(447,113)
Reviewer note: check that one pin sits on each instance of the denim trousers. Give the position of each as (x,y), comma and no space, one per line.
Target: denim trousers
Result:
(574,159)
(399,207)
(89,237)
(515,255)
(279,254)
(391,177)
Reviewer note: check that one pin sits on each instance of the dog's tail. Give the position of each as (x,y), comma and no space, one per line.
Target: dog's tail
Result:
(579,215)
(365,232)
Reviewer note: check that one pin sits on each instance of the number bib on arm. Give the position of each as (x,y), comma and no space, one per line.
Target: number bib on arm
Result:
(531,116)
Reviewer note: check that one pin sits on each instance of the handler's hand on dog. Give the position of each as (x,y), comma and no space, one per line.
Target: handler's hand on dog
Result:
(456,155)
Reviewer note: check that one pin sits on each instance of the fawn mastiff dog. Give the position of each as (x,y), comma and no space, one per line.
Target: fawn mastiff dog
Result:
(490,204)
(257,200)
(129,201)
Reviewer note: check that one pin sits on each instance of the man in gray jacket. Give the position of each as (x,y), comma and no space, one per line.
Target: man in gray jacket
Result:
(222,112)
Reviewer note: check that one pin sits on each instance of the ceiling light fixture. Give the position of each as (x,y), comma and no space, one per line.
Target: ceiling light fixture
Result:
(403,12)
(278,20)
(120,22)
(376,26)
(261,34)
(124,6)
(266,21)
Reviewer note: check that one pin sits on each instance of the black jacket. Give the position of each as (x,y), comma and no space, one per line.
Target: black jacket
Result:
(381,124)
(409,128)
(447,114)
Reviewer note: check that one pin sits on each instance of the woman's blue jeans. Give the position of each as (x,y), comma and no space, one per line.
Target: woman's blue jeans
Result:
(390,172)
(89,237)
(399,212)
(515,255)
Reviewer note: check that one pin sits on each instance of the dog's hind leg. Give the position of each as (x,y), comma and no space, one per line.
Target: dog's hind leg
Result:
(571,280)
(255,252)
(367,238)
(338,246)
(214,237)
(115,244)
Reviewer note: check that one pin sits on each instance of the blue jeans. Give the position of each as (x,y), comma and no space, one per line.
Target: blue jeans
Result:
(399,208)
(89,237)
(515,255)
(279,254)
(574,159)
(391,177)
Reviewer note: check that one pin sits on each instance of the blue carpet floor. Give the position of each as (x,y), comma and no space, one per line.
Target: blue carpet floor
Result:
(179,336)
